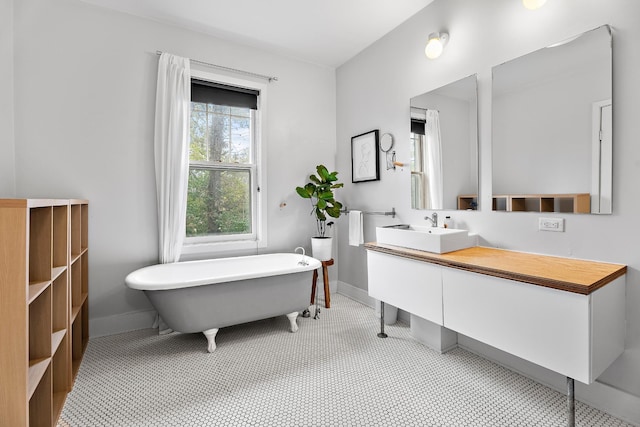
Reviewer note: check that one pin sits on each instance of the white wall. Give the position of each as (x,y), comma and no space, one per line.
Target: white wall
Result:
(536,153)
(373,92)
(84,112)
(7,171)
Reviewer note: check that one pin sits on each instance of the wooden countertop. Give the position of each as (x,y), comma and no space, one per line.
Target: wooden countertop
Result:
(566,274)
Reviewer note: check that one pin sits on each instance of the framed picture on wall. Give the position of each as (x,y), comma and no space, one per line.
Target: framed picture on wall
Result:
(365,165)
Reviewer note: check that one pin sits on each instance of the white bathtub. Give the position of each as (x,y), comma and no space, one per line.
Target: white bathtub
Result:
(203,296)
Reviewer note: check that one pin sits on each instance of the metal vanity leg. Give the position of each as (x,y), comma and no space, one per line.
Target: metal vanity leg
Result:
(382,334)
(571,403)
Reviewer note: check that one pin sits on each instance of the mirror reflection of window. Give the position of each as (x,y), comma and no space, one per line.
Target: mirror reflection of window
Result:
(426,160)
(418,172)
(444,147)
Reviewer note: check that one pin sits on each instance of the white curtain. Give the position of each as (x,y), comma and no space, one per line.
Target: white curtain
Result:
(434,160)
(171,147)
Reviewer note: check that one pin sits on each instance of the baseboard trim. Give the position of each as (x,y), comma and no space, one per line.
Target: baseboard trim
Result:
(120,323)
(356,294)
(363,297)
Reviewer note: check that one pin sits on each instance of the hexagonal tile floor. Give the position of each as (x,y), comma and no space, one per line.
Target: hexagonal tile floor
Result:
(333,372)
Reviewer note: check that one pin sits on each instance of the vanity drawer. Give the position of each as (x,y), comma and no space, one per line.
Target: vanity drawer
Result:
(413,286)
(573,334)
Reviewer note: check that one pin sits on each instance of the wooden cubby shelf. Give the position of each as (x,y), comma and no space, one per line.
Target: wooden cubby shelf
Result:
(468,202)
(46,335)
(560,203)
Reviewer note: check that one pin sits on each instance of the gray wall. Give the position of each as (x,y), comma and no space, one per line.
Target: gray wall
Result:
(7,171)
(373,92)
(542,155)
(84,112)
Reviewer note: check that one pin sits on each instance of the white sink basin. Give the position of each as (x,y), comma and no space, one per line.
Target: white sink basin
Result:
(425,238)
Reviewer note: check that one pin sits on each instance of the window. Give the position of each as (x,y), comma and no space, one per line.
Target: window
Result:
(418,166)
(224,196)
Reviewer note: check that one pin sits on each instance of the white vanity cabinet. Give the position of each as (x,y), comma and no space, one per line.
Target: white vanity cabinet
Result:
(576,335)
(564,314)
(413,286)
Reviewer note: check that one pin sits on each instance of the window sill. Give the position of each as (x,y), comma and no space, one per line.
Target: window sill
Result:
(193,250)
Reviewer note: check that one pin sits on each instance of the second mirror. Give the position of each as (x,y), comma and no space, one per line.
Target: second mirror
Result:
(444,147)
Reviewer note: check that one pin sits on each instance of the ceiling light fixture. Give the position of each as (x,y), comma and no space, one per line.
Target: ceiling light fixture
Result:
(533,4)
(436,44)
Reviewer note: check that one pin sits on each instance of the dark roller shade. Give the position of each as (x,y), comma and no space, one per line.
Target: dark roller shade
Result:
(219,94)
(417,126)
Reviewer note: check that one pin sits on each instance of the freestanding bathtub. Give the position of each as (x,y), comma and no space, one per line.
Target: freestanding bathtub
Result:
(203,296)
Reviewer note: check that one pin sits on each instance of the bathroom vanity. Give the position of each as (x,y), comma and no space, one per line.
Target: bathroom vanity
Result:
(566,315)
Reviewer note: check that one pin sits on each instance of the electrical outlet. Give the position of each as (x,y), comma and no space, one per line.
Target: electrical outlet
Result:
(551,224)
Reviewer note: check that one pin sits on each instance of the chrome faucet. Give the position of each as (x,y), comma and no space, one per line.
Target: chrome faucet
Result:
(303,261)
(433,218)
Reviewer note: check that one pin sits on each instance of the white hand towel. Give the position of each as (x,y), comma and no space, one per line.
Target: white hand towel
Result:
(356,235)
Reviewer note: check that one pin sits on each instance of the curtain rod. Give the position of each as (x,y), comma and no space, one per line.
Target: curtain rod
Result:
(426,109)
(233,70)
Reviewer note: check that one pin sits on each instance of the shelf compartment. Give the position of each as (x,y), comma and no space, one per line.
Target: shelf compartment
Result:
(60,235)
(61,371)
(40,246)
(40,326)
(76,284)
(84,226)
(85,323)
(56,339)
(57,271)
(500,203)
(85,274)
(468,202)
(76,228)
(60,309)
(59,398)
(75,258)
(40,402)
(37,369)
(75,310)
(75,367)
(547,204)
(35,289)
(77,342)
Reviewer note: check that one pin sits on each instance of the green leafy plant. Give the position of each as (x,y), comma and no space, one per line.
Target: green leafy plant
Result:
(319,191)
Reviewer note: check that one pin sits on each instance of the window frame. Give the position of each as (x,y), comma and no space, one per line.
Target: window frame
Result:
(198,245)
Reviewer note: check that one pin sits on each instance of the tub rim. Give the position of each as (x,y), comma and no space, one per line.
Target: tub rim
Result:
(134,281)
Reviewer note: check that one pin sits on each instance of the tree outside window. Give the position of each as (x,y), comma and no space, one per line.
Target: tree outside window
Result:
(221,169)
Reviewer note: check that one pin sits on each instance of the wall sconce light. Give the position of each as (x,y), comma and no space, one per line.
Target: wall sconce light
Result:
(436,44)
(533,4)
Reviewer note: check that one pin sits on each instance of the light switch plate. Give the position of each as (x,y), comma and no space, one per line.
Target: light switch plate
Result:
(551,224)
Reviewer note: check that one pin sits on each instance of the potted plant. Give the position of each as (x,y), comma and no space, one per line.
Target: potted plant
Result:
(319,191)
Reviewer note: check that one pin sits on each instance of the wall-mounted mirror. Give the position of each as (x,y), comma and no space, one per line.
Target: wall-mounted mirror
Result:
(444,147)
(551,131)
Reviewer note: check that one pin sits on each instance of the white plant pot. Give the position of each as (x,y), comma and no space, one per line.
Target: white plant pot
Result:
(321,248)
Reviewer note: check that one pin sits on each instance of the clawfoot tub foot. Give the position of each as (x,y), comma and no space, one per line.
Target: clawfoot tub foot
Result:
(292,318)
(211,339)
